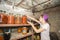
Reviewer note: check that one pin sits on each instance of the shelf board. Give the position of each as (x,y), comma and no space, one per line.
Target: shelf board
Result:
(29,34)
(15,25)
(19,36)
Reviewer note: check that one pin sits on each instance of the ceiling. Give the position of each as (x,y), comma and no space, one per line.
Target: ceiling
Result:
(31,4)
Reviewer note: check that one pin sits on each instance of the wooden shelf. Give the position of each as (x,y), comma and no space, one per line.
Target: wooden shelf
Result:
(19,36)
(29,34)
(14,25)
(15,36)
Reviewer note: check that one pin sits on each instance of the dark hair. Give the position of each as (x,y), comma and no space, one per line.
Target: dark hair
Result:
(42,15)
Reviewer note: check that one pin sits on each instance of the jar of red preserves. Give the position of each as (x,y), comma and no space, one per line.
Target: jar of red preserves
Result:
(24,30)
(24,19)
(19,30)
(3,18)
(18,19)
(11,19)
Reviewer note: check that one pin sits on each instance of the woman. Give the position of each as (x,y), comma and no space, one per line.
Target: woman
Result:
(45,27)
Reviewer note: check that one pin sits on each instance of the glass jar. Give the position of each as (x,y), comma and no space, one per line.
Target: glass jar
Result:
(24,19)
(3,18)
(11,19)
(24,30)
(19,30)
(18,19)
(1,38)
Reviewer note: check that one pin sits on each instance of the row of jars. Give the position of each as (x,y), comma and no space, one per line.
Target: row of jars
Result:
(23,30)
(12,19)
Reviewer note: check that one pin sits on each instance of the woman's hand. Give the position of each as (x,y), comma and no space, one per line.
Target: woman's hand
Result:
(31,23)
(35,29)
(33,19)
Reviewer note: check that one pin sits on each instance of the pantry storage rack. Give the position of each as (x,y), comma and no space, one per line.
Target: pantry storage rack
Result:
(15,25)
(18,25)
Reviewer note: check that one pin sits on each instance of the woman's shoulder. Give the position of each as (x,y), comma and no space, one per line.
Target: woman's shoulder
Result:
(47,24)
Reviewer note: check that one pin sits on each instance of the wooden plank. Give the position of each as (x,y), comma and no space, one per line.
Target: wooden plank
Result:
(19,36)
(29,34)
(15,25)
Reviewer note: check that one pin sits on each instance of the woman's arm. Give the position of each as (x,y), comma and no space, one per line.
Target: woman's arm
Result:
(35,29)
(34,19)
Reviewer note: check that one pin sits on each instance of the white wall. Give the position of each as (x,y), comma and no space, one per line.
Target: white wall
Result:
(16,10)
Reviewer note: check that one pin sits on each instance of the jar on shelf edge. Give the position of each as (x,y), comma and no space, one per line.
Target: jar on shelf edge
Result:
(3,18)
(24,19)
(11,19)
(24,30)
(1,38)
(17,19)
(19,30)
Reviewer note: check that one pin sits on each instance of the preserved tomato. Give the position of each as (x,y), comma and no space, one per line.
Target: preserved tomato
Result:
(1,38)
(11,19)
(24,19)
(19,30)
(24,30)
(18,20)
(3,18)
